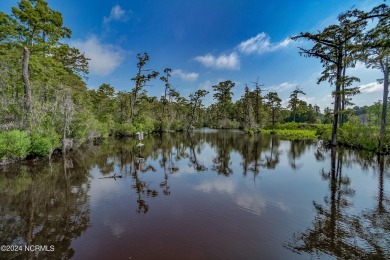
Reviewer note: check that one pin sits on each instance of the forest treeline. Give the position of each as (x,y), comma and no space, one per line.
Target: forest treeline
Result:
(45,104)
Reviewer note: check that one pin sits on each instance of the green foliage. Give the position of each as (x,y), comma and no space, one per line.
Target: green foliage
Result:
(177,126)
(385,143)
(57,73)
(359,136)
(86,127)
(14,144)
(274,104)
(223,94)
(141,124)
(43,144)
(301,131)
(293,134)
(163,125)
(250,131)
(125,129)
(324,131)
(299,126)
(144,124)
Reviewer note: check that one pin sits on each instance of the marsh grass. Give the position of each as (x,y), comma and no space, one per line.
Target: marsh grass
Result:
(293,134)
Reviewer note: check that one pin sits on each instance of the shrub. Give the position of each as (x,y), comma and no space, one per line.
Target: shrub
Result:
(359,136)
(144,124)
(125,129)
(86,127)
(42,144)
(324,132)
(14,144)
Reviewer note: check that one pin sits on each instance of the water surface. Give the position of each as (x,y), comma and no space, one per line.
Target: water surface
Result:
(199,195)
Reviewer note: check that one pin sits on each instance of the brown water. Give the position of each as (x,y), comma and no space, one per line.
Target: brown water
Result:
(200,195)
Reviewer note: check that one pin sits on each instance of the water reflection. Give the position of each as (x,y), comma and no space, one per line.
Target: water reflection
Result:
(272,159)
(337,232)
(195,144)
(297,149)
(221,194)
(45,206)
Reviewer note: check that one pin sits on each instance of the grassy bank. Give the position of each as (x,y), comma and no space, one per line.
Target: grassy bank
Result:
(356,136)
(299,131)
(17,145)
(293,134)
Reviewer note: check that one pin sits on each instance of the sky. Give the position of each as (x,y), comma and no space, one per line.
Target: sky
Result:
(208,41)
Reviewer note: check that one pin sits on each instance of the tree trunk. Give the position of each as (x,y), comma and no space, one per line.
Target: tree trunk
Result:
(335,115)
(273,116)
(27,89)
(337,98)
(385,69)
(132,106)
(343,99)
(65,129)
(257,106)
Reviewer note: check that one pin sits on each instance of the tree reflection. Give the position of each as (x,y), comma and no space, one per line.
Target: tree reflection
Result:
(193,154)
(41,208)
(251,150)
(337,233)
(272,159)
(297,148)
(221,162)
(141,187)
(165,162)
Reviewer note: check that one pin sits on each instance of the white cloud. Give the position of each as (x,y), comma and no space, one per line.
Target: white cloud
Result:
(222,186)
(117,14)
(105,58)
(231,61)
(191,76)
(326,101)
(282,87)
(371,87)
(206,85)
(308,100)
(254,204)
(261,43)
(251,203)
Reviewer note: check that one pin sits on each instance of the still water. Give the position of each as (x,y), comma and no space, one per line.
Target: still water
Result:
(199,195)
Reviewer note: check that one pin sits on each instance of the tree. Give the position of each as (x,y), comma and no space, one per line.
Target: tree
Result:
(249,122)
(35,28)
(103,102)
(196,104)
(274,102)
(68,111)
(167,90)
(257,99)
(377,50)
(223,95)
(293,102)
(142,77)
(72,60)
(331,47)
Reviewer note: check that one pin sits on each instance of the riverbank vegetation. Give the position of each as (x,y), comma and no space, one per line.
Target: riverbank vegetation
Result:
(45,104)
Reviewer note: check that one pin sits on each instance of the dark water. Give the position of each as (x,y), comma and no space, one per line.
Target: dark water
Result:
(200,195)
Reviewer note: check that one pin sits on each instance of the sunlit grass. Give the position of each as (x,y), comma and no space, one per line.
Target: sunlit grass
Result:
(293,134)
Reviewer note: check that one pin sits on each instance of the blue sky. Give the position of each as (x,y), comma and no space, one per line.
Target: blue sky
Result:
(207,41)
